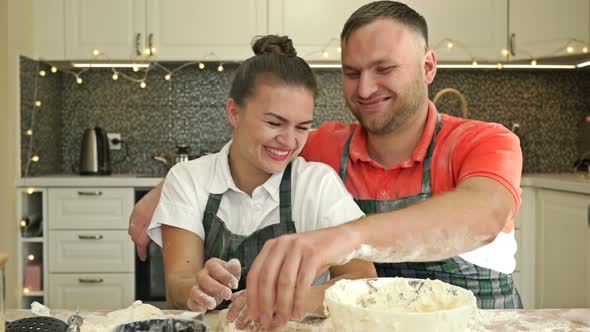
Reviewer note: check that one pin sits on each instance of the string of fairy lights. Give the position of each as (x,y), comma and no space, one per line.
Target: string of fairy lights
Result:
(143,69)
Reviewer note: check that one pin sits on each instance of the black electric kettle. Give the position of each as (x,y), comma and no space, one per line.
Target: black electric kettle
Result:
(95,158)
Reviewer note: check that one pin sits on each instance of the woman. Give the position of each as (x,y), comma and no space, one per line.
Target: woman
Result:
(216,212)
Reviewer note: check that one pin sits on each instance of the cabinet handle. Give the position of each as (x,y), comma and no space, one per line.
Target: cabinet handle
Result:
(512,45)
(138,44)
(588,216)
(151,44)
(90,237)
(90,280)
(90,193)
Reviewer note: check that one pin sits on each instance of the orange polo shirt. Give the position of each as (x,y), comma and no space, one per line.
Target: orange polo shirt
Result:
(463,149)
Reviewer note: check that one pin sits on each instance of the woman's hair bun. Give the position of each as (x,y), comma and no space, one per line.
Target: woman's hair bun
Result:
(274,44)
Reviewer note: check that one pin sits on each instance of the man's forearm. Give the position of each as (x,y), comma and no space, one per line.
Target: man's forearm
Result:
(178,288)
(441,227)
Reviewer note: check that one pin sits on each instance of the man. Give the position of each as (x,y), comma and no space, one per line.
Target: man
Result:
(441,191)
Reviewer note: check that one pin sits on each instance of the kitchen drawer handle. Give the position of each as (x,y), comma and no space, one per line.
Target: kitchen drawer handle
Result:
(588,216)
(90,237)
(90,193)
(90,280)
(151,44)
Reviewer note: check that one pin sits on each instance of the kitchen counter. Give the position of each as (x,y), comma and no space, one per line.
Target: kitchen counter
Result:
(573,182)
(117,180)
(488,320)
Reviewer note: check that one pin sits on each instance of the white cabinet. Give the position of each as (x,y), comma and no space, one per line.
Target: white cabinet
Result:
(563,250)
(172,29)
(542,27)
(188,29)
(314,26)
(478,28)
(114,27)
(524,275)
(91,259)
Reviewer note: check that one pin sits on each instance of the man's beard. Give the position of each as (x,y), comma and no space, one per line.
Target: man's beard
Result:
(396,116)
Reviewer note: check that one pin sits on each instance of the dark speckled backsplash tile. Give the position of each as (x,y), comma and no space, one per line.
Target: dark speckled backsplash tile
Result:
(190,109)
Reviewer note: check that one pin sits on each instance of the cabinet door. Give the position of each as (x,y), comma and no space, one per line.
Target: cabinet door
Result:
(314,26)
(108,291)
(49,29)
(110,26)
(477,28)
(542,27)
(190,30)
(563,250)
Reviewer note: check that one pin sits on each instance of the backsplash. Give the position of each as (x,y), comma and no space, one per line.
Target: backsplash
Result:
(190,109)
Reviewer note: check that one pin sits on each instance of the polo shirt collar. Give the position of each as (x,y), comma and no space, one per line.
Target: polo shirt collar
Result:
(223,181)
(358,144)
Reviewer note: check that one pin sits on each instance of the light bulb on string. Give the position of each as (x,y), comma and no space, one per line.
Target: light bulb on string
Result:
(167,77)
(135,69)
(37,103)
(30,191)
(147,51)
(339,49)
(220,68)
(201,65)
(152,51)
(23,223)
(31,257)
(79,80)
(95,52)
(42,73)
(533,62)
(504,52)
(35,158)
(29,132)
(570,49)
(474,63)
(325,54)
(26,290)
(142,85)
(499,65)
(450,45)
(53,69)
(585,49)
(115,76)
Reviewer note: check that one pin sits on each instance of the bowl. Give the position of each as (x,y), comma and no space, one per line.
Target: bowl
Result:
(399,304)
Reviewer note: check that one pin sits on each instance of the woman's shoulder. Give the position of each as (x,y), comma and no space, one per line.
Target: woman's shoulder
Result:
(312,173)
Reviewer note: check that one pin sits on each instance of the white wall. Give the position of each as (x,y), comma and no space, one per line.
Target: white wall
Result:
(16,37)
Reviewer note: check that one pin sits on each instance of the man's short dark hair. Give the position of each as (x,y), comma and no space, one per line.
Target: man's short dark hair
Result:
(382,10)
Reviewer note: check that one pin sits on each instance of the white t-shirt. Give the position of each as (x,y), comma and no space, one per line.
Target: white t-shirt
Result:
(318,198)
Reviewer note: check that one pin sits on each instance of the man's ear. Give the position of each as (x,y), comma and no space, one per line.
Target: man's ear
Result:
(233,112)
(429,66)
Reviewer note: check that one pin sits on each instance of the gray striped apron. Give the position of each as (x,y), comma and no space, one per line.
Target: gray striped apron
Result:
(223,244)
(493,290)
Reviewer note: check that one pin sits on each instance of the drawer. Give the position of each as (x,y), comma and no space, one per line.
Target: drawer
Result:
(89,208)
(91,291)
(90,251)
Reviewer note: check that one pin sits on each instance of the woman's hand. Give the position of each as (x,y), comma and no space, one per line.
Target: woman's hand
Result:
(214,283)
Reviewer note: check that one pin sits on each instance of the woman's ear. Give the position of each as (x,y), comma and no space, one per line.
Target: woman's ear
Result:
(233,112)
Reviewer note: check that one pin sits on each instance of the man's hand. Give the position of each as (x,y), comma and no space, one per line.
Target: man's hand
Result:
(238,310)
(214,283)
(140,219)
(284,270)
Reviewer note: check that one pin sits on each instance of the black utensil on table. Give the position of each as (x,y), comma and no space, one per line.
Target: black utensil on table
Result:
(38,323)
